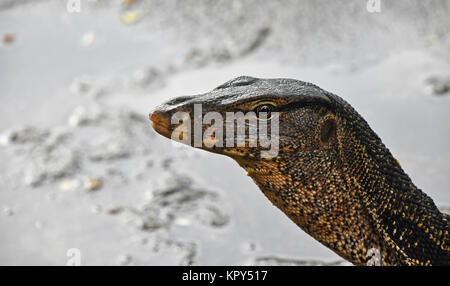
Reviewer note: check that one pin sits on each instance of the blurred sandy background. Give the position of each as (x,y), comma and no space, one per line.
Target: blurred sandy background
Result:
(80,166)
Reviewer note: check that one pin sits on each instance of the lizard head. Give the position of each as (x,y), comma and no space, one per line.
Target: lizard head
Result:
(250,119)
(298,118)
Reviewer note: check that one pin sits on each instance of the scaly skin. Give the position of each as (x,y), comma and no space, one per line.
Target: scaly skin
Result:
(333,176)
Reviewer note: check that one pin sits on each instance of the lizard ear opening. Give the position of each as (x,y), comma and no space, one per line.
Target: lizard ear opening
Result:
(328,130)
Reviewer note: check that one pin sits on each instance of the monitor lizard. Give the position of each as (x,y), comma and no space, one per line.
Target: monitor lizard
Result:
(332,176)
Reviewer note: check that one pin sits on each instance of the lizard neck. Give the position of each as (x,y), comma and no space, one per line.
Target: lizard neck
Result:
(357,209)
(325,207)
(409,222)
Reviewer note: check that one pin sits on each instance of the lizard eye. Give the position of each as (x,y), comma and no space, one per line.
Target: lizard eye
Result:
(264,111)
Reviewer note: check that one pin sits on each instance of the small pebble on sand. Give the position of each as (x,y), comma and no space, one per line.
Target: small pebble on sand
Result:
(114,210)
(88,39)
(93,184)
(8,38)
(69,185)
(129,17)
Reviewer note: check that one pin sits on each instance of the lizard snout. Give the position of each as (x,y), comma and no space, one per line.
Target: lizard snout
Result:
(160,122)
